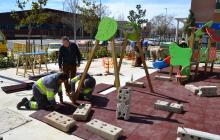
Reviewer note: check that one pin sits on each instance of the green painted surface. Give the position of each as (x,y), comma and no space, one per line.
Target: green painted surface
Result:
(107,29)
(185,71)
(203,56)
(201,31)
(180,56)
(133,31)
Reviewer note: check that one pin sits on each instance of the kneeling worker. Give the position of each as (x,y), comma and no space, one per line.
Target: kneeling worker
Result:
(87,87)
(44,91)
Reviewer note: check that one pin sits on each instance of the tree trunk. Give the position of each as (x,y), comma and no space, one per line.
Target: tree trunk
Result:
(74,27)
(28,46)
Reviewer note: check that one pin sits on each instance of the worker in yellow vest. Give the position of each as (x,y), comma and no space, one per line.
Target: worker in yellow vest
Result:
(44,91)
(87,87)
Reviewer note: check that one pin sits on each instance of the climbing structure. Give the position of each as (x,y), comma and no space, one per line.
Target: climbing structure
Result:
(203,54)
(106,32)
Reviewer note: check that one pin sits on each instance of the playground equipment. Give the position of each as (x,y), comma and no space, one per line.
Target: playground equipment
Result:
(3,44)
(162,64)
(106,31)
(107,63)
(203,54)
(180,57)
(29,60)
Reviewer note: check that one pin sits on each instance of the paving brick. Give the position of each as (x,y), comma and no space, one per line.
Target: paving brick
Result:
(82,112)
(123,111)
(103,129)
(164,78)
(59,121)
(192,88)
(191,134)
(135,84)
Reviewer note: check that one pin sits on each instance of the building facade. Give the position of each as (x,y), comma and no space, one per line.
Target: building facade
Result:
(207,10)
(54,27)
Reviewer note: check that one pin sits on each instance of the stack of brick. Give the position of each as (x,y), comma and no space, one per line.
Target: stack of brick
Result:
(123,105)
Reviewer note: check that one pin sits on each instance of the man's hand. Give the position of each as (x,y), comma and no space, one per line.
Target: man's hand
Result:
(61,69)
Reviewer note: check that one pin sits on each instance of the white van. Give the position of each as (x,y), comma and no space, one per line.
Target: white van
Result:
(54,47)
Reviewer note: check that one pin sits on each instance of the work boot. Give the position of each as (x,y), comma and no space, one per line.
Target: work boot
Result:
(23,102)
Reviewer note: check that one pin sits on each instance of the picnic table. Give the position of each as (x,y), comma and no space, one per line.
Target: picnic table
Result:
(30,61)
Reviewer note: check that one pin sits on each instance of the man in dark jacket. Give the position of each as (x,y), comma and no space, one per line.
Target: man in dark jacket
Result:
(69,57)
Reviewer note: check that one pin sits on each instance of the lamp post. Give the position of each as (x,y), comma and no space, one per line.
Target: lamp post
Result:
(100,9)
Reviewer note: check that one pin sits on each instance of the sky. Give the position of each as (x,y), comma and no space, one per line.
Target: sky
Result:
(176,8)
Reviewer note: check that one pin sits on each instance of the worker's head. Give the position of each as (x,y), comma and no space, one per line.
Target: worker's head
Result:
(89,82)
(66,41)
(62,77)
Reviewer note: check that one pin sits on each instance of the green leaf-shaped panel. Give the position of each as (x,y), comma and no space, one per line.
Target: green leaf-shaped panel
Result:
(180,56)
(107,29)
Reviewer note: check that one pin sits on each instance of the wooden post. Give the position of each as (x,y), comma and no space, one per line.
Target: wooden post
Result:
(206,63)
(191,44)
(145,65)
(114,58)
(171,71)
(83,77)
(18,60)
(125,42)
(198,60)
(124,46)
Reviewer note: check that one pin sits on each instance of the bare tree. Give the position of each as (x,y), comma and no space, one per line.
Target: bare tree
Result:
(71,6)
(121,17)
(162,24)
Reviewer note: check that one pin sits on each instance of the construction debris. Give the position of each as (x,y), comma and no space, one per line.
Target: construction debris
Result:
(167,106)
(82,112)
(105,130)
(164,78)
(60,121)
(135,84)
(191,134)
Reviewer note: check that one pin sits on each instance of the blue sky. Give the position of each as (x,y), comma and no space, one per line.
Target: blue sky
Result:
(176,8)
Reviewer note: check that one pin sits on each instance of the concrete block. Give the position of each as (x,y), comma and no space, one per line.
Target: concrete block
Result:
(103,129)
(167,106)
(175,107)
(123,111)
(135,84)
(192,88)
(59,121)
(164,78)
(207,90)
(161,105)
(191,134)
(82,112)
(124,95)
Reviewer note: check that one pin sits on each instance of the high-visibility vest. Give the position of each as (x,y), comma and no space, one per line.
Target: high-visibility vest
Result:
(49,93)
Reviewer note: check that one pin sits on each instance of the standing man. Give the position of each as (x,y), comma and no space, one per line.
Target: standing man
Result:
(69,57)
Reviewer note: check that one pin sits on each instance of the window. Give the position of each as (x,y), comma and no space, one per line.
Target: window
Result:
(217,4)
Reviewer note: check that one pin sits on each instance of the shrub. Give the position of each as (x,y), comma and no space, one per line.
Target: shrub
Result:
(6,62)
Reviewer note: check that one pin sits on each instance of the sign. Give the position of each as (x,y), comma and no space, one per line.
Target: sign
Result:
(215,26)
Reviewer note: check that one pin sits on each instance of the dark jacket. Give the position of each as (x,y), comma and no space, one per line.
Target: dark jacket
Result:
(70,55)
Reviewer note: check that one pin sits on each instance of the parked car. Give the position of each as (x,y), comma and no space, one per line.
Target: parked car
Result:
(153,42)
(54,47)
